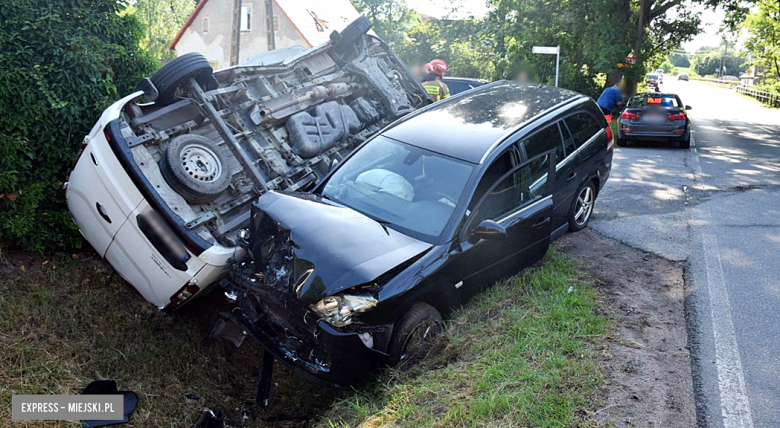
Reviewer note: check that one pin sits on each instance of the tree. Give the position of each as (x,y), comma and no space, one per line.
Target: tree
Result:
(162,19)
(679,60)
(763,41)
(61,63)
(390,18)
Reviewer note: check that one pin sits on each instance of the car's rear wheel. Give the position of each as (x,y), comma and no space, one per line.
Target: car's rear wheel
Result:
(195,168)
(170,79)
(414,335)
(582,207)
(686,143)
(622,142)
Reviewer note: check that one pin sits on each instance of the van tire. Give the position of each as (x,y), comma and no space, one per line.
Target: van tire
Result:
(195,168)
(420,315)
(172,76)
(351,34)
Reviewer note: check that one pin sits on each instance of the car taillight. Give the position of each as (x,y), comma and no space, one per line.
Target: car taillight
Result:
(629,116)
(185,293)
(677,116)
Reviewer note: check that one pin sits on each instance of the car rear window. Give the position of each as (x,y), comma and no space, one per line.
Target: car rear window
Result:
(654,100)
(582,126)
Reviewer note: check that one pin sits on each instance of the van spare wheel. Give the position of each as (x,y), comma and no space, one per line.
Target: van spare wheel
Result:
(195,168)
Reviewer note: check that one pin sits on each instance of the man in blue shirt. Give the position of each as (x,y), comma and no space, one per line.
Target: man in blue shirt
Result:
(610,98)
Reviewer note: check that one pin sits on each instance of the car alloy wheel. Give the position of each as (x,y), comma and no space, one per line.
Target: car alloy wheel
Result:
(584,206)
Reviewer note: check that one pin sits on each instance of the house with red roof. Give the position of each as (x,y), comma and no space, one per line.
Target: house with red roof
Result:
(211,29)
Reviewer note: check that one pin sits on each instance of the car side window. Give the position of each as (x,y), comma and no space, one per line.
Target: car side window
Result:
(568,140)
(582,126)
(547,139)
(496,170)
(520,188)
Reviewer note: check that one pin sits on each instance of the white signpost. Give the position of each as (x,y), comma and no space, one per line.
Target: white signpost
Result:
(553,50)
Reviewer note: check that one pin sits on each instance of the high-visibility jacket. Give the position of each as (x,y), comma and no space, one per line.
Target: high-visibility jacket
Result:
(436,89)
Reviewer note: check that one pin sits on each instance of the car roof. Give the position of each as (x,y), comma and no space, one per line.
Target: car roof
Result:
(468,125)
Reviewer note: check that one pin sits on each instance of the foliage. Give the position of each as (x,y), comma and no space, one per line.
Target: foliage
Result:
(61,63)
(708,61)
(679,60)
(763,41)
(161,20)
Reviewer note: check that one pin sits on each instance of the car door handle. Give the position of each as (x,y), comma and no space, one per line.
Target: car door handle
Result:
(541,223)
(102,212)
(571,176)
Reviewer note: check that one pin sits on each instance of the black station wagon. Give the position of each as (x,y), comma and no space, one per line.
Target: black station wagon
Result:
(413,223)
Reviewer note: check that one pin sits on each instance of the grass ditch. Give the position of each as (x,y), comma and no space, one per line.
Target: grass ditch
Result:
(523,353)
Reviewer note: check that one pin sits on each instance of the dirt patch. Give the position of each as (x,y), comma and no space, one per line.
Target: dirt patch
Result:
(646,362)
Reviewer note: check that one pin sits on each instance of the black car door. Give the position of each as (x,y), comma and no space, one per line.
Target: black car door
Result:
(551,138)
(520,201)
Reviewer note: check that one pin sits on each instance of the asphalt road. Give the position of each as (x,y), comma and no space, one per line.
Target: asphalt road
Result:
(716,208)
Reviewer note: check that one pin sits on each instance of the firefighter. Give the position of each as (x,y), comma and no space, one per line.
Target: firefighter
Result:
(432,83)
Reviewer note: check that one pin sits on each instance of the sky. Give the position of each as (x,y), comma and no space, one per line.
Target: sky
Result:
(711,20)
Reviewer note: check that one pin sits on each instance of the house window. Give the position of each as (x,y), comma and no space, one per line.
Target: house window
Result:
(204,23)
(246,17)
(276,22)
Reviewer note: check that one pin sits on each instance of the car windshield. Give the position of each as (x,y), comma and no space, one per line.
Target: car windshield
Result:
(652,76)
(406,188)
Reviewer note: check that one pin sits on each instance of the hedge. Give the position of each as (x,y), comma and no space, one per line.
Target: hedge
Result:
(62,62)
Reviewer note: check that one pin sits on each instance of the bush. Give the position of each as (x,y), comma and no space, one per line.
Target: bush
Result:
(61,63)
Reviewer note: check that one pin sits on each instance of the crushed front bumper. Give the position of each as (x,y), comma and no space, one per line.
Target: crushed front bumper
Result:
(291,333)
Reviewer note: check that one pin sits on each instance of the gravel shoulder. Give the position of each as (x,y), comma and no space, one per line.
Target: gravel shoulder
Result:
(646,362)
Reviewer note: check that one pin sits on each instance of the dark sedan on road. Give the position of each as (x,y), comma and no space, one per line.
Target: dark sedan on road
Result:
(683,76)
(413,223)
(655,116)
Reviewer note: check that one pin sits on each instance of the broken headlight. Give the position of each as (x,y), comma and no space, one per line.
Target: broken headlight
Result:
(338,310)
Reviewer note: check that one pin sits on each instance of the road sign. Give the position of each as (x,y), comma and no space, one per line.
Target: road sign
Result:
(554,50)
(546,50)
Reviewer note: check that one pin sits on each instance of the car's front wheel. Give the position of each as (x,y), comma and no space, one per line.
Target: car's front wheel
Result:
(582,208)
(414,335)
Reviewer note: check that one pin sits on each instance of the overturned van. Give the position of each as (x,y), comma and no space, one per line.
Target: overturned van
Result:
(165,181)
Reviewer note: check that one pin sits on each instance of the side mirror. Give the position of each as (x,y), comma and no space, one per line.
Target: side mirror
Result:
(688,107)
(488,229)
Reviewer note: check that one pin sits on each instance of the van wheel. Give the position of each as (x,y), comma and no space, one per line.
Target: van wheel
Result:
(195,168)
(351,34)
(414,335)
(582,207)
(172,76)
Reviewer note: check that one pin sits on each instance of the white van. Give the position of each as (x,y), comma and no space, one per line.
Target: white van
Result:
(163,189)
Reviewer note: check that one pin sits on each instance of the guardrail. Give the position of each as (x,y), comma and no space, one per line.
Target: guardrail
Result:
(769,98)
(724,83)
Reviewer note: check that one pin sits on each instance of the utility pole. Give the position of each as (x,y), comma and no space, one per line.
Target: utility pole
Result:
(725,52)
(269,24)
(234,58)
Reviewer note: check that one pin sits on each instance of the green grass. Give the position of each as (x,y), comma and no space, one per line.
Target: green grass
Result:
(66,322)
(521,354)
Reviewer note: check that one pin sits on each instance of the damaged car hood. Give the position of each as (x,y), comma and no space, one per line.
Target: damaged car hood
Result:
(316,248)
